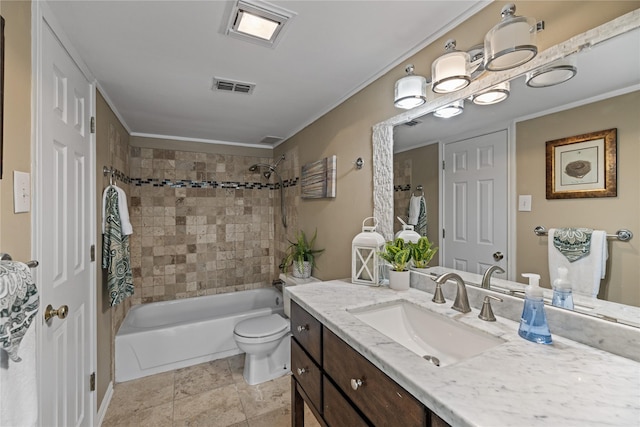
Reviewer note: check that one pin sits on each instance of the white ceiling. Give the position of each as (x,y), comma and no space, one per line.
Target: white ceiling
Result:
(156,60)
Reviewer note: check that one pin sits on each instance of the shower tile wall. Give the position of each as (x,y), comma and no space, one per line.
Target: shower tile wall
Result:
(401,191)
(200,240)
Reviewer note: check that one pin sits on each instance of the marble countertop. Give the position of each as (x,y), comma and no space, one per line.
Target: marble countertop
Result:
(518,383)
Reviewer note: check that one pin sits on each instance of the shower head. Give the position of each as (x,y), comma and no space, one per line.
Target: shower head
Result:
(267,174)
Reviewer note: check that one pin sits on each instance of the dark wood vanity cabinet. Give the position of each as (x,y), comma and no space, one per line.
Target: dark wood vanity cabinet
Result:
(341,387)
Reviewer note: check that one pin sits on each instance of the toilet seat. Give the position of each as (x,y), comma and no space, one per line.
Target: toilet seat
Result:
(261,329)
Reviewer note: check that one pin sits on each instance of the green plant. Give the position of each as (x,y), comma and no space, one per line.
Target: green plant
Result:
(299,251)
(397,253)
(422,252)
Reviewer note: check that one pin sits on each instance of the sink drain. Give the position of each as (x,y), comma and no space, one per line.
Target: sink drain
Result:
(432,359)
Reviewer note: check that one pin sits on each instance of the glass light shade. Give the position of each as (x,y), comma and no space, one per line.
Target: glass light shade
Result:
(450,110)
(366,265)
(511,43)
(493,95)
(451,72)
(410,92)
(256,26)
(552,75)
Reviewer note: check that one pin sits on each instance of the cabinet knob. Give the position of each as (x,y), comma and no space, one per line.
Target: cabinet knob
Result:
(356,383)
(302,371)
(302,328)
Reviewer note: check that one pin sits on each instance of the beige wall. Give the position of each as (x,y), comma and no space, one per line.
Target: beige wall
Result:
(15,229)
(346,130)
(608,213)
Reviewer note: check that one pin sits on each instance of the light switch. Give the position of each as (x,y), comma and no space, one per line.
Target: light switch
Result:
(21,192)
(524,203)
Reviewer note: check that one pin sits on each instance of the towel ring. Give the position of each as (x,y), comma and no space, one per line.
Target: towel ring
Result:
(418,188)
(111,172)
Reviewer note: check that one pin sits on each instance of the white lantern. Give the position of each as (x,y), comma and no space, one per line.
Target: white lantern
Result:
(365,264)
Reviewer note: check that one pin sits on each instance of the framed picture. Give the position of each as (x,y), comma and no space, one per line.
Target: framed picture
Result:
(1,88)
(582,166)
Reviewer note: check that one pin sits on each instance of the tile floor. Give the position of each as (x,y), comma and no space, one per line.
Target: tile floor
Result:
(209,394)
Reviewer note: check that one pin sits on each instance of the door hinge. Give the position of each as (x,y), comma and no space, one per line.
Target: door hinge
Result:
(92,382)
(443,233)
(443,165)
(93,124)
(93,252)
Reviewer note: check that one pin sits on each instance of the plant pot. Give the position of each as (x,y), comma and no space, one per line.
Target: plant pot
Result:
(301,271)
(399,280)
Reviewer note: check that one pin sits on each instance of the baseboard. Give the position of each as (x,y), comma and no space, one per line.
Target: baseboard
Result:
(105,405)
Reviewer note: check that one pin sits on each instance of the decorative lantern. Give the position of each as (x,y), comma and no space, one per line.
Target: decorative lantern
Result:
(366,266)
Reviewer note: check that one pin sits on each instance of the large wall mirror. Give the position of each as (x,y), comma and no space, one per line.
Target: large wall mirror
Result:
(608,80)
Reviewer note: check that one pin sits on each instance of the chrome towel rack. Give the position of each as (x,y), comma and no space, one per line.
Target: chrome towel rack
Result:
(420,189)
(623,235)
(7,257)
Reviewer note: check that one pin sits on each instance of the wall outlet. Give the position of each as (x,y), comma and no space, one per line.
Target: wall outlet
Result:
(524,203)
(21,192)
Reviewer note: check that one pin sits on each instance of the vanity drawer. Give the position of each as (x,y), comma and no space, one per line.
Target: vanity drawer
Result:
(307,374)
(383,401)
(338,412)
(307,330)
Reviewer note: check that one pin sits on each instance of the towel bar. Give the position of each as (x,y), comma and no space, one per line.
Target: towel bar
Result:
(7,257)
(623,235)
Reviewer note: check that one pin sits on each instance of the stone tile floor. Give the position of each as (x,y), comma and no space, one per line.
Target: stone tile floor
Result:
(209,394)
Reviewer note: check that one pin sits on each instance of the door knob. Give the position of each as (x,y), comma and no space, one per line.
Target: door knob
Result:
(498,256)
(61,312)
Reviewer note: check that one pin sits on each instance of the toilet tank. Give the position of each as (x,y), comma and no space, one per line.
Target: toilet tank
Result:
(289,280)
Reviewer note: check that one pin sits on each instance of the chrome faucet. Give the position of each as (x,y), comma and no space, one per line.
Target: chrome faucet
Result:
(486,277)
(462,300)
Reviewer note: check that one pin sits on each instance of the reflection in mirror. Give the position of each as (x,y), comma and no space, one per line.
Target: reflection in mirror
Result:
(608,70)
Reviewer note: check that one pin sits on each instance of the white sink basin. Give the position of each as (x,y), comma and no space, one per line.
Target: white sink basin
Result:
(426,333)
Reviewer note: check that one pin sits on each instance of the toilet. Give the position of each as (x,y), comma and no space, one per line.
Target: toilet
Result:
(266,340)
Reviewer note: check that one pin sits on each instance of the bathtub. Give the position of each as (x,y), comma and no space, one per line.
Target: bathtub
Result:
(168,335)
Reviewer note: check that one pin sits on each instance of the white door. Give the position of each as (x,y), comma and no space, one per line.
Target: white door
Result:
(475,203)
(63,221)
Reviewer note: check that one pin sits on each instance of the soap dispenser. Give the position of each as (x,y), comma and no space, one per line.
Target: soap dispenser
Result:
(562,296)
(533,324)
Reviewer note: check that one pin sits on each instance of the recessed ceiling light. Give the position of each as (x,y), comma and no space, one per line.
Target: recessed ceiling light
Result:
(258,22)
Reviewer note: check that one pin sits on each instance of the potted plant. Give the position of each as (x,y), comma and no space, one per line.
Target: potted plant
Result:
(301,255)
(422,252)
(397,253)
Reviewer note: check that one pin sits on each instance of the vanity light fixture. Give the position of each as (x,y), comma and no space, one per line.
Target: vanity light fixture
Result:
(493,95)
(511,43)
(554,74)
(450,110)
(451,71)
(258,22)
(410,91)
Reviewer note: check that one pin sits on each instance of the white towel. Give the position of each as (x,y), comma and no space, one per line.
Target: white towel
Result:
(586,273)
(125,223)
(414,210)
(18,385)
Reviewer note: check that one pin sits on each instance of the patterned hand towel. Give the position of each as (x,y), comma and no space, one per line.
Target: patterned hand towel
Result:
(19,303)
(421,226)
(573,243)
(116,252)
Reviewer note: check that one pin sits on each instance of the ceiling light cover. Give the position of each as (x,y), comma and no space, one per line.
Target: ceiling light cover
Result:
(410,91)
(511,43)
(450,110)
(451,71)
(493,95)
(255,25)
(554,74)
(258,22)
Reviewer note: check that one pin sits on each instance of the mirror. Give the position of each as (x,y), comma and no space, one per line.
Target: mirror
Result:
(597,79)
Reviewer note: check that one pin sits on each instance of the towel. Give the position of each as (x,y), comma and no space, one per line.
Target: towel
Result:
(421,226)
(574,243)
(19,303)
(414,210)
(585,273)
(116,254)
(18,385)
(123,209)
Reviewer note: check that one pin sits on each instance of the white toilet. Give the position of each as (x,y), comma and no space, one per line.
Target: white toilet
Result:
(266,340)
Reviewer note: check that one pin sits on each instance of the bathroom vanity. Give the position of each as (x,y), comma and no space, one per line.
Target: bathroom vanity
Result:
(350,373)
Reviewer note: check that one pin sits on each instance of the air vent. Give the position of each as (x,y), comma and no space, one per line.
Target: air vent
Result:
(226,85)
(413,123)
(270,140)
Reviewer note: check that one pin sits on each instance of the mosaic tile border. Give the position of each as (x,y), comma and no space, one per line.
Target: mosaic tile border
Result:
(402,187)
(189,183)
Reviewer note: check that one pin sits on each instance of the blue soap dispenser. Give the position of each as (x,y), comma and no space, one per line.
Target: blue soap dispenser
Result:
(533,323)
(562,296)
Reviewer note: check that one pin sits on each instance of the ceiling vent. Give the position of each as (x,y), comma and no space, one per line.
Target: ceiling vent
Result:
(413,123)
(272,140)
(226,85)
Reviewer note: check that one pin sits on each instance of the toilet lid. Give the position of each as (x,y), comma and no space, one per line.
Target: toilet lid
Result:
(262,326)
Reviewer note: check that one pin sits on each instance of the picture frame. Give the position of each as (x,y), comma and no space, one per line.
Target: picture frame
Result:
(582,166)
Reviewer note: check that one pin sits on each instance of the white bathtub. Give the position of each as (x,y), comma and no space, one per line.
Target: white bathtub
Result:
(163,336)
